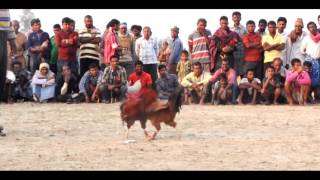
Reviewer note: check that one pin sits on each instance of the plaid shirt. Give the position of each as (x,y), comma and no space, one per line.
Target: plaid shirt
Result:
(119,76)
(147,50)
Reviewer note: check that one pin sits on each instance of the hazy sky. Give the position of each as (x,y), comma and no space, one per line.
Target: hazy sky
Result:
(161,20)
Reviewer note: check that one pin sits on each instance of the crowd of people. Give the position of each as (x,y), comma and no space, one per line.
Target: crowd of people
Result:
(234,65)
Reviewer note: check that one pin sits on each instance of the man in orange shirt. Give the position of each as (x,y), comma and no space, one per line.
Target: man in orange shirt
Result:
(252,50)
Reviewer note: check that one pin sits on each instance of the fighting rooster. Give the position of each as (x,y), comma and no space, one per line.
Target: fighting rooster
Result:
(145,105)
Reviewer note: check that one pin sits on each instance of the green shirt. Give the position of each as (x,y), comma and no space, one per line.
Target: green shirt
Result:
(54,51)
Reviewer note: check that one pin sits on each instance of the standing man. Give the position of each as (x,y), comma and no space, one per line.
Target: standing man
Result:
(125,41)
(252,50)
(4,36)
(89,38)
(21,46)
(147,50)
(273,44)
(237,27)
(39,45)
(293,44)
(262,27)
(177,48)
(136,33)
(239,50)
(67,42)
(54,49)
(198,45)
(281,25)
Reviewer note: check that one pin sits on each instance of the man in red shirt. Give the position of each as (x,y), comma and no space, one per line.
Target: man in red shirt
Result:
(139,74)
(252,50)
(67,42)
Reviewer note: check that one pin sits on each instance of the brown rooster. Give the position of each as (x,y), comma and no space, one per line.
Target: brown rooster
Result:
(145,105)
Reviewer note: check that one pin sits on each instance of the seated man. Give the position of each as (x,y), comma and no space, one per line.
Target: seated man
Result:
(271,87)
(22,85)
(220,93)
(43,84)
(230,73)
(67,85)
(195,84)
(298,83)
(280,73)
(88,85)
(249,88)
(140,75)
(113,84)
(166,84)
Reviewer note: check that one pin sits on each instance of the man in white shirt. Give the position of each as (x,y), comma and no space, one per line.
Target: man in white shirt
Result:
(293,44)
(147,49)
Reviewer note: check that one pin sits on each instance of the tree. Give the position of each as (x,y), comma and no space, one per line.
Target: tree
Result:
(26,18)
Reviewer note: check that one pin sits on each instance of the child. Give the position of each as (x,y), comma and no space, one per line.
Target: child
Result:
(307,66)
(221,94)
(249,88)
(298,83)
(164,53)
(271,87)
(184,66)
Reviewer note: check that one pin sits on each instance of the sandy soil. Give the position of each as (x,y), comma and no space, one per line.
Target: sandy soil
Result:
(90,136)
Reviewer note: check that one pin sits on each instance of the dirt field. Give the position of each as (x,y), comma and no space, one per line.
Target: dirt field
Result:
(90,136)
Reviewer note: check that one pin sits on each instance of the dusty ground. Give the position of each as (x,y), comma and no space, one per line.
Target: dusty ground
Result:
(90,136)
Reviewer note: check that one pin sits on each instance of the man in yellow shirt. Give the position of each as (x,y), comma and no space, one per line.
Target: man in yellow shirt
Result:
(273,43)
(195,84)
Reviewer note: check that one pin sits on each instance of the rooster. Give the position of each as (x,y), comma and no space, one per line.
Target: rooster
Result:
(145,105)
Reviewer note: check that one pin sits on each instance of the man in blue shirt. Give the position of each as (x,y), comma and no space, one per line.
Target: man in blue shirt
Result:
(177,48)
(39,45)
(166,84)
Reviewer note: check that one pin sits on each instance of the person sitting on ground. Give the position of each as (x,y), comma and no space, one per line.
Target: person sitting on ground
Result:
(249,88)
(166,84)
(184,66)
(280,73)
(270,87)
(43,84)
(220,93)
(195,84)
(67,85)
(139,75)
(88,84)
(298,83)
(231,77)
(22,90)
(113,84)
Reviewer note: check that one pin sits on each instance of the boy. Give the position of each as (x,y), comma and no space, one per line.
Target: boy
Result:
(184,66)
(249,88)
(298,83)
(271,87)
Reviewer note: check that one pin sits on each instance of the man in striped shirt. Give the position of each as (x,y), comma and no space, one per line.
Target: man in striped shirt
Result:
(89,38)
(198,45)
